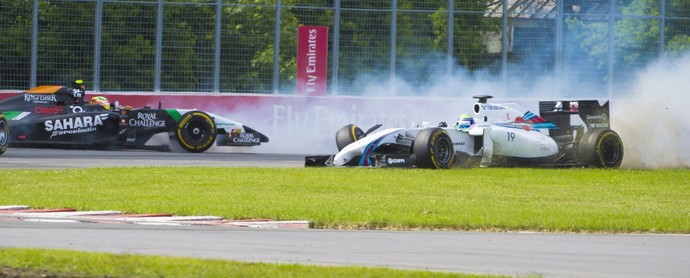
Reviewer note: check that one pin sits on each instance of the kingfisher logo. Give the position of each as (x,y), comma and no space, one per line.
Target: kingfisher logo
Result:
(32,98)
(76,125)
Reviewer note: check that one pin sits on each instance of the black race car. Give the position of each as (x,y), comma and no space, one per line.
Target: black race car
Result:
(49,116)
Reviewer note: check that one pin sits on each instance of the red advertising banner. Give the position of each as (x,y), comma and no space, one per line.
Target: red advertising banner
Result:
(312,60)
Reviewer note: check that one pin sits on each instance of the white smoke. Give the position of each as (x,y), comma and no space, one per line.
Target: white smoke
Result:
(650,118)
(653,121)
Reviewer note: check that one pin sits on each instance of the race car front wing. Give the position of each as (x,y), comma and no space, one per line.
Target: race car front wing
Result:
(381,160)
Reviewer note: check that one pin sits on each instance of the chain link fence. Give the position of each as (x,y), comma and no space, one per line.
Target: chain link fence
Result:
(222,46)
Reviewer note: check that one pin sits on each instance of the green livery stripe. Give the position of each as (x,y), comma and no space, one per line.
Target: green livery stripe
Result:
(174,114)
(10,115)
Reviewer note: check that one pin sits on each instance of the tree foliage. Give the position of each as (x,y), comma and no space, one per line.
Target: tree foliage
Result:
(636,34)
(128,40)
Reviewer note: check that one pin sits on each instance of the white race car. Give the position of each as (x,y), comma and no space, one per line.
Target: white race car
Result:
(569,133)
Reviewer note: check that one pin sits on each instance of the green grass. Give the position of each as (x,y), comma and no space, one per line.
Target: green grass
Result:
(570,200)
(40,263)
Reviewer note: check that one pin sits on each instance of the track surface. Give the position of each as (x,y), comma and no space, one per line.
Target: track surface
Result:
(28,158)
(550,255)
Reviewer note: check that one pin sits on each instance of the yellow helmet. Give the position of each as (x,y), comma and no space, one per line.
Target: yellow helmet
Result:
(102,101)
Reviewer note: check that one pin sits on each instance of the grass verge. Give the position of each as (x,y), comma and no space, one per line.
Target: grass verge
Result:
(20,262)
(570,200)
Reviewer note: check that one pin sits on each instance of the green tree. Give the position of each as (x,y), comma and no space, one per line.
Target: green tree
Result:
(65,41)
(15,43)
(128,50)
(636,38)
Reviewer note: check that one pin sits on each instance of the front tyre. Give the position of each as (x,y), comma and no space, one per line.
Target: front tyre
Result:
(4,134)
(600,148)
(347,135)
(433,149)
(196,131)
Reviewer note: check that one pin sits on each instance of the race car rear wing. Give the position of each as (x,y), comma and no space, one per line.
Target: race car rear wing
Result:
(594,115)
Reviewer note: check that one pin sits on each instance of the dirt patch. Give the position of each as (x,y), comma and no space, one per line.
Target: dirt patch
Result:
(26,272)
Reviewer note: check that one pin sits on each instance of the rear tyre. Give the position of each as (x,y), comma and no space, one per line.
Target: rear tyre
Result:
(4,134)
(433,149)
(196,131)
(347,135)
(600,148)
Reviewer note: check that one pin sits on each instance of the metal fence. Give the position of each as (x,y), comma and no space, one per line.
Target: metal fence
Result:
(222,46)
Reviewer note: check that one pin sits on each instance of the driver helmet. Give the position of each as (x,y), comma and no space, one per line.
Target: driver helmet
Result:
(464,122)
(102,101)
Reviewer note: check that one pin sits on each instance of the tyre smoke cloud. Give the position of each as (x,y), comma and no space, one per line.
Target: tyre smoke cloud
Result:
(648,111)
(652,119)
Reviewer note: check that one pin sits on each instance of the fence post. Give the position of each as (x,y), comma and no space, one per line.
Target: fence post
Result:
(558,46)
(276,50)
(34,45)
(216,52)
(159,48)
(449,41)
(97,47)
(611,49)
(393,43)
(335,48)
(662,27)
(504,47)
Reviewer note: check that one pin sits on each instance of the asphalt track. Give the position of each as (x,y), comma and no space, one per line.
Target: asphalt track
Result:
(29,158)
(520,254)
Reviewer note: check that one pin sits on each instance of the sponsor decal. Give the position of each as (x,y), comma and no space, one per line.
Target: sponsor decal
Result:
(458,143)
(597,119)
(599,125)
(246,138)
(493,107)
(225,124)
(312,60)
(601,117)
(39,98)
(482,125)
(77,93)
(49,110)
(76,125)
(396,160)
(147,120)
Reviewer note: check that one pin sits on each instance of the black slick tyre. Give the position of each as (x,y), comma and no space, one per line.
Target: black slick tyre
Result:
(347,135)
(433,149)
(4,134)
(600,148)
(195,131)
